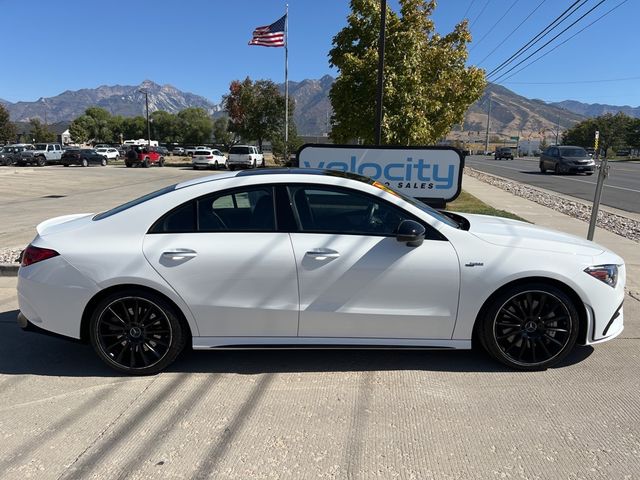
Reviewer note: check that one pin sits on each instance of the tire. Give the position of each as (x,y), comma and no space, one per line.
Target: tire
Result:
(136,332)
(556,169)
(542,168)
(127,164)
(226,165)
(216,165)
(254,165)
(145,163)
(65,164)
(531,326)
(117,158)
(232,168)
(103,162)
(263,164)
(161,162)
(84,162)
(41,161)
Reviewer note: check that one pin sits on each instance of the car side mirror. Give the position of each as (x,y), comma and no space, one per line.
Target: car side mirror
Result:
(411,233)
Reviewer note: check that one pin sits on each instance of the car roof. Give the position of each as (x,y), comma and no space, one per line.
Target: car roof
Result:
(275,172)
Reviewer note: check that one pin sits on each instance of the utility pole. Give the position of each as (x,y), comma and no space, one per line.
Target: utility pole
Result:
(383,23)
(603,173)
(146,100)
(557,128)
(486,138)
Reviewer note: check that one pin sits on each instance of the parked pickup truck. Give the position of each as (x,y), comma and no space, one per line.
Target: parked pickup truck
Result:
(191,150)
(41,155)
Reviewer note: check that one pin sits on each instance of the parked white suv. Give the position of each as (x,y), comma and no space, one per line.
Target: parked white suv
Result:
(245,156)
(42,154)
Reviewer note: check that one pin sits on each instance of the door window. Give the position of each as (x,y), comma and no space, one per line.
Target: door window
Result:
(336,210)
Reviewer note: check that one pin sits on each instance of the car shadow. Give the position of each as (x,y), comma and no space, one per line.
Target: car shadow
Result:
(28,353)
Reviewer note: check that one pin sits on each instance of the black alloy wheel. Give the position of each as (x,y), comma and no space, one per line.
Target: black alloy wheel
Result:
(530,327)
(136,333)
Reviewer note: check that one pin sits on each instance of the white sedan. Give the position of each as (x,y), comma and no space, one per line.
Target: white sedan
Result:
(108,152)
(302,258)
(208,158)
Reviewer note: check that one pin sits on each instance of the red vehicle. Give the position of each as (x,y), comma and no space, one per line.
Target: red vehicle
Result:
(143,156)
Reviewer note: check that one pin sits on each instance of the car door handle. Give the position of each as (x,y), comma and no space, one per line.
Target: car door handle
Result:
(179,253)
(321,253)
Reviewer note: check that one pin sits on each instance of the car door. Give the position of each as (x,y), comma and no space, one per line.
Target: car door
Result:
(357,281)
(222,254)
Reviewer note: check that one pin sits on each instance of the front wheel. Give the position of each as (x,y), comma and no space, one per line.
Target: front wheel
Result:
(145,163)
(127,164)
(254,165)
(542,169)
(530,327)
(556,169)
(161,162)
(103,162)
(40,161)
(84,162)
(136,332)
(263,164)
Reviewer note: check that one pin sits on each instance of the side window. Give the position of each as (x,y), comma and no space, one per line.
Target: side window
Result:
(250,209)
(179,220)
(331,210)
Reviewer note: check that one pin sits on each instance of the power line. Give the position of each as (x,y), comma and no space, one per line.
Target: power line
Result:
(512,32)
(480,14)
(570,82)
(511,69)
(468,8)
(558,20)
(565,41)
(494,25)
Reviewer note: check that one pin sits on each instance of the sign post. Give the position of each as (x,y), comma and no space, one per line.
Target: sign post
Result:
(430,174)
(603,173)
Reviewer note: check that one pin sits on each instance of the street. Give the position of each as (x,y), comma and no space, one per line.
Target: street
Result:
(621,189)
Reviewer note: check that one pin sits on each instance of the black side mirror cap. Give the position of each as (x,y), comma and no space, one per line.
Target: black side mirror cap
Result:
(410,232)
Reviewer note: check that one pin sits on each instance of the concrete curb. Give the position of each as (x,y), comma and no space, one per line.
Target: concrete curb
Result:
(9,269)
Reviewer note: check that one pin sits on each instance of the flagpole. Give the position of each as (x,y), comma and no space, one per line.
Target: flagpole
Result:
(286,84)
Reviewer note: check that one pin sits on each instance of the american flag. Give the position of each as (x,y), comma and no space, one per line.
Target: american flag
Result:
(271,35)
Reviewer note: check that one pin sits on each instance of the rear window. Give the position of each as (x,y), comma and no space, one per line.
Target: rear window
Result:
(202,152)
(135,202)
(240,150)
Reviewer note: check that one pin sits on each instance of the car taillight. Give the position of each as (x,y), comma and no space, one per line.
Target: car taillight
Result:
(209,157)
(33,255)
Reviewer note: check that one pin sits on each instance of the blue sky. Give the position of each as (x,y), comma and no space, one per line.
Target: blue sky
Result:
(201,45)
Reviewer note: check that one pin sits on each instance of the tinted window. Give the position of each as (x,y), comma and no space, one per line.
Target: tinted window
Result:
(41,146)
(240,150)
(202,152)
(330,210)
(573,152)
(250,209)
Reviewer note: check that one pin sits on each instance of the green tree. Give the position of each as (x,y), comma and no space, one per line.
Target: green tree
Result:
(196,125)
(134,128)
(98,124)
(428,86)
(614,131)
(7,128)
(633,133)
(79,129)
(115,124)
(40,132)
(542,146)
(294,143)
(165,127)
(256,110)
(221,133)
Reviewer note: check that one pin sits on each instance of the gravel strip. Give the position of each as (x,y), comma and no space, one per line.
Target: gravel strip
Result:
(10,255)
(625,227)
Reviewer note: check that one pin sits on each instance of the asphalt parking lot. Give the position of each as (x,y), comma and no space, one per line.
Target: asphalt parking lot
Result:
(295,414)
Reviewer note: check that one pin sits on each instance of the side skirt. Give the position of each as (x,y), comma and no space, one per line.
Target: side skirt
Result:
(242,343)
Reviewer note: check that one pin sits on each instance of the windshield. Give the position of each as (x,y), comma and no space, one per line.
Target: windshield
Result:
(135,202)
(573,152)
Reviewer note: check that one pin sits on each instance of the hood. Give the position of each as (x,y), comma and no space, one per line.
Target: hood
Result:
(63,223)
(513,233)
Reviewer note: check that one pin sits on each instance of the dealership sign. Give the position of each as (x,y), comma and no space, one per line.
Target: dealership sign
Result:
(429,173)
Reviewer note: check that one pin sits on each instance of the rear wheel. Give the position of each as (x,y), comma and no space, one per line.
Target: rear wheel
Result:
(65,164)
(161,162)
(216,165)
(84,162)
(41,161)
(263,164)
(127,164)
(136,332)
(254,164)
(542,168)
(103,162)
(530,327)
(232,167)
(556,169)
(145,163)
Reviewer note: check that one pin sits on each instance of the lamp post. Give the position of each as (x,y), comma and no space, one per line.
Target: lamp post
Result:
(146,101)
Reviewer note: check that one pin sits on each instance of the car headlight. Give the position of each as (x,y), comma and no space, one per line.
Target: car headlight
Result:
(605,273)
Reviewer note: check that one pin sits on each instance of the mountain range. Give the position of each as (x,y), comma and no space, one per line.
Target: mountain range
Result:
(510,113)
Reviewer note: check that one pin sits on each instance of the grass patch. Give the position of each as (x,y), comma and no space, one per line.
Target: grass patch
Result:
(467,203)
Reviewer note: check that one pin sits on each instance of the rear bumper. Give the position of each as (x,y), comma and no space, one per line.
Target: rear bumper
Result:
(27,326)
